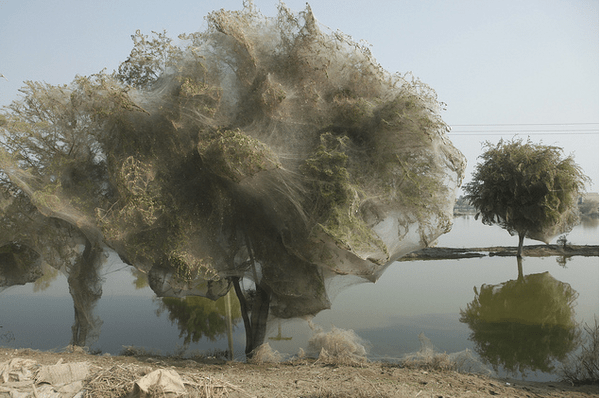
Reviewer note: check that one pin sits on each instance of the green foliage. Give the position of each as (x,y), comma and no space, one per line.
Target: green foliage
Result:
(189,267)
(53,139)
(336,199)
(327,167)
(235,155)
(149,59)
(527,188)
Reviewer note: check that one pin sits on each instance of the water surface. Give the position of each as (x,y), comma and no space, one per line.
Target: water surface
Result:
(410,298)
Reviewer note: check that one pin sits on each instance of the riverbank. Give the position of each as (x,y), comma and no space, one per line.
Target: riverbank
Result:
(115,376)
(440,253)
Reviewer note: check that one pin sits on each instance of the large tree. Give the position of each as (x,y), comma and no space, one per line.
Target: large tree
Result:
(528,189)
(263,154)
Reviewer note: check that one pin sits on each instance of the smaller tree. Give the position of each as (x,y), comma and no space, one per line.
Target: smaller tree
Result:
(528,189)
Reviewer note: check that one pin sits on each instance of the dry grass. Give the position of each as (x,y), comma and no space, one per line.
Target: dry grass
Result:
(338,347)
(582,368)
(265,354)
(434,362)
(118,381)
(340,358)
(352,394)
(113,382)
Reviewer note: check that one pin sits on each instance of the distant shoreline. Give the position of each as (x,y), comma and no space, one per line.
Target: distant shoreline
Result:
(588,207)
(439,253)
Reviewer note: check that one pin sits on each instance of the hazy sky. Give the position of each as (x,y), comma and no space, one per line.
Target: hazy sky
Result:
(524,66)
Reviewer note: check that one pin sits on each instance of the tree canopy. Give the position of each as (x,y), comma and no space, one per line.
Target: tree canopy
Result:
(264,154)
(526,188)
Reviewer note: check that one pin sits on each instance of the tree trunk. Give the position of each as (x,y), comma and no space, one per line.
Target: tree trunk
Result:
(520,248)
(255,319)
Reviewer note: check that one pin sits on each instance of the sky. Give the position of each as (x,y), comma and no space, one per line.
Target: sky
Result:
(515,68)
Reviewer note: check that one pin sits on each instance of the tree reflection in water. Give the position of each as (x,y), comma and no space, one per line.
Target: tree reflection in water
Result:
(20,264)
(197,317)
(85,287)
(523,325)
(35,247)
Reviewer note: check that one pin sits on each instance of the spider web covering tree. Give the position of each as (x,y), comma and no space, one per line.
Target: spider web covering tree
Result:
(263,154)
(528,189)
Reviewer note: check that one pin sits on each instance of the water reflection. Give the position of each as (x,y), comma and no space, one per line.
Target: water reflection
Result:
(523,325)
(35,247)
(195,317)
(199,317)
(19,264)
(49,275)
(85,287)
(411,298)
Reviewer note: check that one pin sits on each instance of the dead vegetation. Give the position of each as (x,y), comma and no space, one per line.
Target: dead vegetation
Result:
(126,381)
(582,367)
(440,362)
(115,381)
(338,347)
(340,370)
(352,394)
(116,376)
(265,354)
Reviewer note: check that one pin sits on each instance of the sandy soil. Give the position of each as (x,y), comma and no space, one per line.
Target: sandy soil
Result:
(113,376)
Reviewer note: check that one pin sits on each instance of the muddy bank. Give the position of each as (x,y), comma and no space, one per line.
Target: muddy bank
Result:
(440,253)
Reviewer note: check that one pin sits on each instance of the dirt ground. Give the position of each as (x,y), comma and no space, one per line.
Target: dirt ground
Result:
(113,376)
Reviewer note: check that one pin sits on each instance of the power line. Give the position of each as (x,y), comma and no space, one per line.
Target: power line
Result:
(490,129)
(533,132)
(524,133)
(521,124)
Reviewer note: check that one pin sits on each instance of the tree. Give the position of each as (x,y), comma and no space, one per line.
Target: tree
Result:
(266,155)
(48,155)
(528,189)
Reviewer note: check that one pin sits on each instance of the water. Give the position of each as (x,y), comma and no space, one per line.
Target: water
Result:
(468,232)
(130,316)
(410,298)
